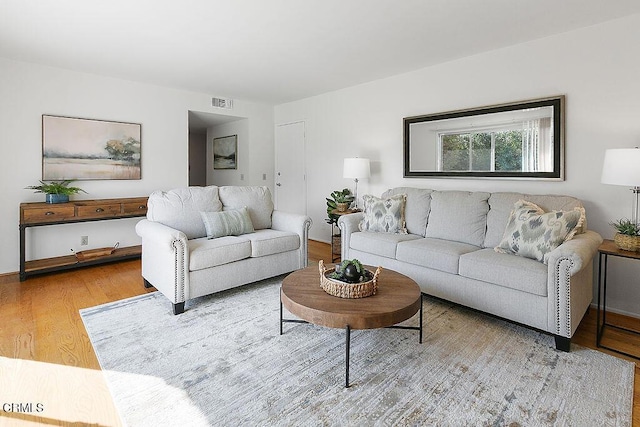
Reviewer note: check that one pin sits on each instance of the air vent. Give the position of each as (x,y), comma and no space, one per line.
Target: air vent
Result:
(222,103)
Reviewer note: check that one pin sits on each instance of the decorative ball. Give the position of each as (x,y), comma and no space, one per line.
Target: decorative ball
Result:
(351,273)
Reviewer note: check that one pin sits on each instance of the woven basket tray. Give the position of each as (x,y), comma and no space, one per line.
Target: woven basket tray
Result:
(626,242)
(341,289)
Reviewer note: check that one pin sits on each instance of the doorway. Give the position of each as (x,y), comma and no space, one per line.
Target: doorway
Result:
(198,123)
(197,153)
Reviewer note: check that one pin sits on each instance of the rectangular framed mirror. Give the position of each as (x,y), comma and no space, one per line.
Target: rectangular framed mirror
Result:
(520,140)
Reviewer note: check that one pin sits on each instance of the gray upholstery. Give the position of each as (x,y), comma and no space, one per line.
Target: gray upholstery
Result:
(180,208)
(417,208)
(183,264)
(257,200)
(460,216)
(456,260)
(523,274)
(384,244)
(207,253)
(269,242)
(438,254)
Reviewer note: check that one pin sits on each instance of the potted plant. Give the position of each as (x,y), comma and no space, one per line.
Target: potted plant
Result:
(340,200)
(56,191)
(351,271)
(628,235)
(345,197)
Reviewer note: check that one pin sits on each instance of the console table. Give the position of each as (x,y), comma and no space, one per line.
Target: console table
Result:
(43,214)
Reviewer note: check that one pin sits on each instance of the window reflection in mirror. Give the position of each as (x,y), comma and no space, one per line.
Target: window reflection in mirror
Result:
(519,140)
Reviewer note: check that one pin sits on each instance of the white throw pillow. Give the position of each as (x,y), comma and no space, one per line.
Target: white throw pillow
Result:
(384,215)
(227,223)
(533,233)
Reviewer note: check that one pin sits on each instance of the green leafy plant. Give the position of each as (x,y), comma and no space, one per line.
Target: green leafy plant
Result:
(625,226)
(352,271)
(55,187)
(337,196)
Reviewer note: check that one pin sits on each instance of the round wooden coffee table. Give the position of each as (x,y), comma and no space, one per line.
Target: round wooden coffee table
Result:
(398,299)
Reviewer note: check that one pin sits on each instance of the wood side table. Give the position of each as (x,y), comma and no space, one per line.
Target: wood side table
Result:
(336,238)
(606,249)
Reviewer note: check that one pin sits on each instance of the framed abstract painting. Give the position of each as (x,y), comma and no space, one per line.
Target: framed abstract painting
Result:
(225,152)
(86,149)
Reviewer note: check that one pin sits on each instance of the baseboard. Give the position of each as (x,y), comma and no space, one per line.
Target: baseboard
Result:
(325,242)
(11,273)
(634,316)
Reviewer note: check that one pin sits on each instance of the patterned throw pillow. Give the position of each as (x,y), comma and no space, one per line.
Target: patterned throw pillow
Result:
(532,233)
(233,222)
(384,215)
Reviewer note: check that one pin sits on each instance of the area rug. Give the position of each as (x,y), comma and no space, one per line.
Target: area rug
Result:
(223,362)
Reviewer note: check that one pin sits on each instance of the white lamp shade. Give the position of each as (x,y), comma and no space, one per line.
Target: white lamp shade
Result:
(621,167)
(356,168)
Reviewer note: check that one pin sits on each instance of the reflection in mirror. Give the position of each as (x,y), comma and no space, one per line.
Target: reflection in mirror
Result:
(518,140)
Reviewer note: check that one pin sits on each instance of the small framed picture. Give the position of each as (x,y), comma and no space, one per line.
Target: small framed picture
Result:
(225,152)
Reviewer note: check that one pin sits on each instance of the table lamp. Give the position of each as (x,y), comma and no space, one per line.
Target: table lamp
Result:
(356,168)
(622,167)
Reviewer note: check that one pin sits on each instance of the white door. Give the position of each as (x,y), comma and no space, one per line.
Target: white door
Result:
(291,183)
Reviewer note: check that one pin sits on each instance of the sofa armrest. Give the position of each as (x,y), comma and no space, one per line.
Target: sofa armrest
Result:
(165,259)
(570,282)
(294,223)
(579,251)
(348,224)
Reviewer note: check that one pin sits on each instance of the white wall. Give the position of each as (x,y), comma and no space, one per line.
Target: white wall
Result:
(255,155)
(237,176)
(598,70)
(27,91)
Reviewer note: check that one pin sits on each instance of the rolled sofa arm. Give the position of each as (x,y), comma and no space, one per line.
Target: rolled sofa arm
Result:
(348,224)
(165,259)
(579,251)
(294,223)
(570,282)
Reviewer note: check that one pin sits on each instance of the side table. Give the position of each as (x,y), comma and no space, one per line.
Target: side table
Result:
(336,238)
(606,249)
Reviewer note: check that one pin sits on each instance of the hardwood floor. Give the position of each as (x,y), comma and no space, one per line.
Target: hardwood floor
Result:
(46,357)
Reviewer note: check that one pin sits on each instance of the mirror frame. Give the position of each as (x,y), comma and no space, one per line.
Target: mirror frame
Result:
(556,102)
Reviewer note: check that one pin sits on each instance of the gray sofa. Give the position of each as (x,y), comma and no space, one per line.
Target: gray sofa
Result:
(248,240)
(449,252)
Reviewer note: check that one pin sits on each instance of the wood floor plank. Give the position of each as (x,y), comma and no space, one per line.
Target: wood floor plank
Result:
(46,355)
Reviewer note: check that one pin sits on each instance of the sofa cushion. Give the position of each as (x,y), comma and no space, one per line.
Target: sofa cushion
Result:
(442,255)
(533,233)
(257,200)
(233,222)
(180,208)
(269,242)
(383,244)
(506,270)
(501,205)
(206,253)
(460,216)
(417,207)
(384,215)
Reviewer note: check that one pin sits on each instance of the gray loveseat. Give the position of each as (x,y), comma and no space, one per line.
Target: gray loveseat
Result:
(248,240)
(449,252)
